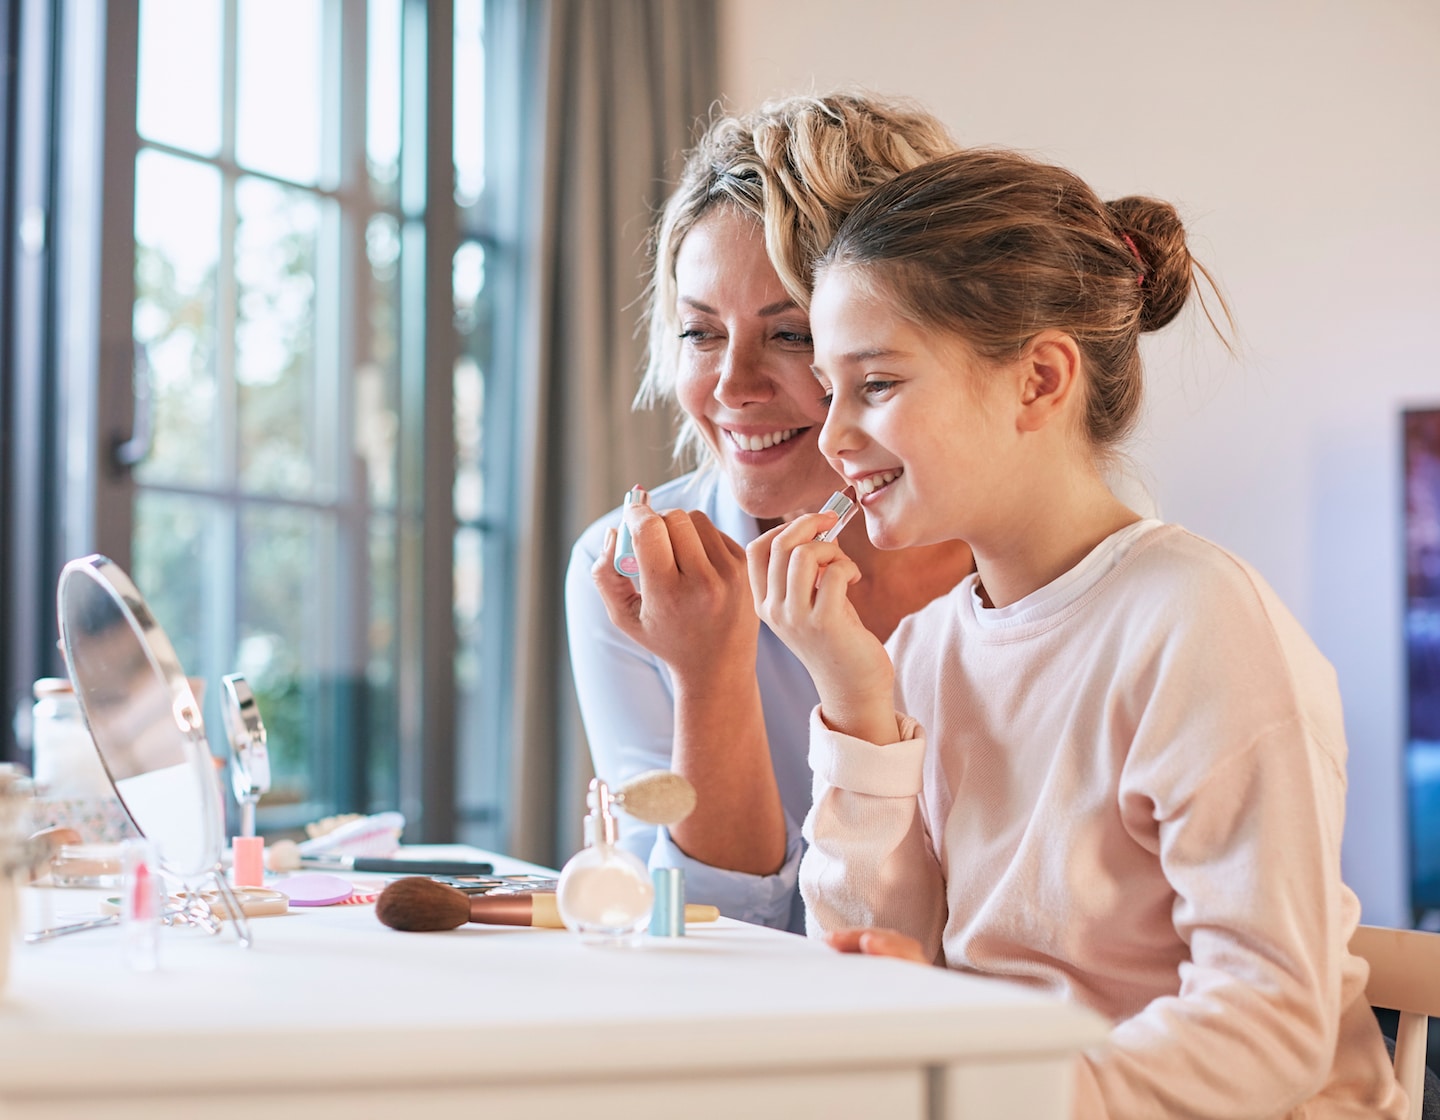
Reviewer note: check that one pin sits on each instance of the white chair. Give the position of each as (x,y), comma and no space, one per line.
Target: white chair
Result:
(1404,977)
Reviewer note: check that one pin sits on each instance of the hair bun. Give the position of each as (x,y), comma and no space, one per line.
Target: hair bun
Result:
(1155,231)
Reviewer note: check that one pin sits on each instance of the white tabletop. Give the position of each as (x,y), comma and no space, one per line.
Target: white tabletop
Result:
(331,988)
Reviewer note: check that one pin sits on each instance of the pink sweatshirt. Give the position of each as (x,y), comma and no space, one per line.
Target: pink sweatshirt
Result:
(1132,796)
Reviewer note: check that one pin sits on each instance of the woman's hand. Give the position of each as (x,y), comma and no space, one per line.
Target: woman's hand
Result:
(691,605)
(877,943)
(800,588)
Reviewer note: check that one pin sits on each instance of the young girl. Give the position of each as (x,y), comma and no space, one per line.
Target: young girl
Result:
(1109,764)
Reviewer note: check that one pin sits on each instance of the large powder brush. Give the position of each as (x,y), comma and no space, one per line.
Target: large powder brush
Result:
(656,797)
(420,905)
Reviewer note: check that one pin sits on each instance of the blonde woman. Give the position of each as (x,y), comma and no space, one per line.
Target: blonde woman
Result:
(673,669)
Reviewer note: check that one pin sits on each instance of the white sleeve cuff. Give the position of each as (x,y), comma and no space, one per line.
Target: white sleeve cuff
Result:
(879,769)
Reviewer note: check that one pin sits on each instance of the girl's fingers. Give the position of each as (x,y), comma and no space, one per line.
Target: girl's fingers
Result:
(877,943)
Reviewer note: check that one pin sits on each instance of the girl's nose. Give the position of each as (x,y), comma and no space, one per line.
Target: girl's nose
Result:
(838,435)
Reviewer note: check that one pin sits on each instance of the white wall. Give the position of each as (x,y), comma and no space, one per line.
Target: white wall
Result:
(1301,142)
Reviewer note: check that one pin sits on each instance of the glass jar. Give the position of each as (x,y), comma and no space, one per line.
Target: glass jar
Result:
(72,788)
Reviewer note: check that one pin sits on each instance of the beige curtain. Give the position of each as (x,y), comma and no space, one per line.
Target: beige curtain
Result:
(627,83)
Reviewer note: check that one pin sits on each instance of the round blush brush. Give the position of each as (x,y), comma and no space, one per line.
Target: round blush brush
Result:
(420,905)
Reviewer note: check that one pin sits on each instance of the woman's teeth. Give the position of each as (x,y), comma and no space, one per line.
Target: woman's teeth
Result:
(760,443)
(872,482)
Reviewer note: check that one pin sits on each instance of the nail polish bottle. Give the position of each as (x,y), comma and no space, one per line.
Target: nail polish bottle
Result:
(605,892)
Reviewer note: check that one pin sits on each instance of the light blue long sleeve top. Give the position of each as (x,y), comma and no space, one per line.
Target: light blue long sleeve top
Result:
(627,701)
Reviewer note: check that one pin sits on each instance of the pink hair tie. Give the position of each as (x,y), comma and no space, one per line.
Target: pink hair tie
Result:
(1134,252)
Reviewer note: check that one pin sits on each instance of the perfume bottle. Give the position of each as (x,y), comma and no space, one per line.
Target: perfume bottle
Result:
(604,891)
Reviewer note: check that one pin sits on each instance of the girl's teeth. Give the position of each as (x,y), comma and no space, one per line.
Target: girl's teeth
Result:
(760,443)
(872,482)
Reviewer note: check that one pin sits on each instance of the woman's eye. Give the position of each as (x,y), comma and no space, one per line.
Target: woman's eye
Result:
(796,338)
(695,335)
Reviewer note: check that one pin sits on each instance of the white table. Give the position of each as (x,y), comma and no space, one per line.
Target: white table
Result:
(330,1014)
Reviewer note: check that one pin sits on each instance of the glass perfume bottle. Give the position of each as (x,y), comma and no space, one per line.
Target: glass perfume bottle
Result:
(604,891)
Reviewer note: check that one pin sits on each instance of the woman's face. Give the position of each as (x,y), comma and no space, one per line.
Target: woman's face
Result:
(744,375)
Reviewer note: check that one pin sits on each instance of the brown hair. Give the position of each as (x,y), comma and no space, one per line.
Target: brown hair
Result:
(796,166)
(995,247)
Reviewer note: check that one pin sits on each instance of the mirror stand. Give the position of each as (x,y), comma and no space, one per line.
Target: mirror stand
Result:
(198,908)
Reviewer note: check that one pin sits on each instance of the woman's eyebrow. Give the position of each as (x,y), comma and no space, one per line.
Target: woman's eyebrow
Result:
(766,312)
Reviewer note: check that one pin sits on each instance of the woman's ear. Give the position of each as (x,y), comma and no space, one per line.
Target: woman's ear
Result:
(1049,379)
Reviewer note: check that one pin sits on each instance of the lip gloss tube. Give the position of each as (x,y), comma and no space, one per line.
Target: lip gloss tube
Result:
(625,562)
(140,907)
(844,505)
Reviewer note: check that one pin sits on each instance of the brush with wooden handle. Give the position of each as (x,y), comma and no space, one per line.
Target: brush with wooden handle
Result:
(421,905)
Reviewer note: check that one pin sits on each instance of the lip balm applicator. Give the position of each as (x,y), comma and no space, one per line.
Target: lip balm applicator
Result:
(625,562)
(840,503)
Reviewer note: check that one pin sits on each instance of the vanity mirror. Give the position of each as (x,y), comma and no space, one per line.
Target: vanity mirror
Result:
(249,757)
(147,727)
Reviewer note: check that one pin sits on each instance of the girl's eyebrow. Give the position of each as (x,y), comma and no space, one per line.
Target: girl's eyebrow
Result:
(871,354)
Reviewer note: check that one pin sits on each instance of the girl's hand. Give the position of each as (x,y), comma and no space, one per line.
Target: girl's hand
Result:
(877,943)
(800,589)
(691,605)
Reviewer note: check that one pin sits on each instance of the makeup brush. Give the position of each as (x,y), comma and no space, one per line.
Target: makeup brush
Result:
(420,905)
(656,797)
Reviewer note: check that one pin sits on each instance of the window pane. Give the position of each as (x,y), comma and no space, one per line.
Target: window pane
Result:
(275,259)
(377,389)
(468,559)
(171,562)
(468,284)
(382,107)
(179,74)
(469,106)
(280,76)
(177,251)
(281,591)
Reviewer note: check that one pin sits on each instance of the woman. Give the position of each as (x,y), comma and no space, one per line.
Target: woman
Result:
(673,669)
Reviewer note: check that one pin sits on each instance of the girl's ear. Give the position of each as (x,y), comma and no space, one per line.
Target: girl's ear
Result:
(1049,379)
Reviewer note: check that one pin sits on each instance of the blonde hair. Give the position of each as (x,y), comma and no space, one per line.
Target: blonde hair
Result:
(796,166)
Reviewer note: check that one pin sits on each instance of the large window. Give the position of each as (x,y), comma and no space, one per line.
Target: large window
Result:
(294,451)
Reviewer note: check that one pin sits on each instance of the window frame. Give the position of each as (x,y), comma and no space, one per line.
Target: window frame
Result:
(84,378)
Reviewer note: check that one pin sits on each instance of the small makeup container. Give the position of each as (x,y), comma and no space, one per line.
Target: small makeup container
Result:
(88,865)
(625,562)
(604,891)
(247,861)
(667,918)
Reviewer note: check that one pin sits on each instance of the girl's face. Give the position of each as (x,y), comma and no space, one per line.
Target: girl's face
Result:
(917,422)
(744,375)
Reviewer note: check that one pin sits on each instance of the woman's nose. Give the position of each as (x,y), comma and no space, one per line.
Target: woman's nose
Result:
(744,379)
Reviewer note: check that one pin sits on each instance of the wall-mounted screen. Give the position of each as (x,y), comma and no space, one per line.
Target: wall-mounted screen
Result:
(1422,654)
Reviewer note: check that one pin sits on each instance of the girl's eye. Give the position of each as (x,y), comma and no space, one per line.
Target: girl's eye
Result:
(878,387)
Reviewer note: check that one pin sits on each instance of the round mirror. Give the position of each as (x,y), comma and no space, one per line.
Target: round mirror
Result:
(142,714)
